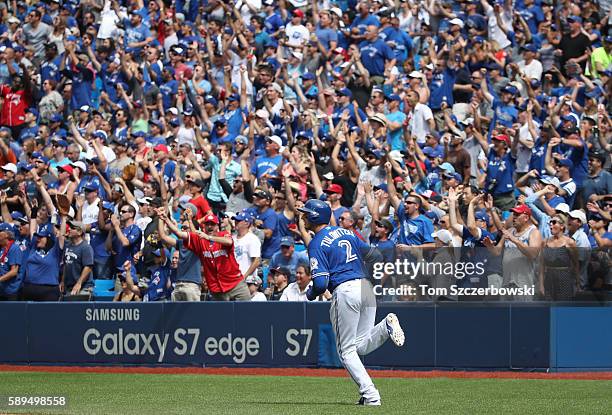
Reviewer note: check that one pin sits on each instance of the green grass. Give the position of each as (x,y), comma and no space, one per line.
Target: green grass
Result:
(205,394)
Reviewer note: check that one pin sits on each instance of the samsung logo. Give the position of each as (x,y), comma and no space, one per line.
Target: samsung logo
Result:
(112,314)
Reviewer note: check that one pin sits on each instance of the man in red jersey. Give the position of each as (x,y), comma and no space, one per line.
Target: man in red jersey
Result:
(216,251)
(17,98)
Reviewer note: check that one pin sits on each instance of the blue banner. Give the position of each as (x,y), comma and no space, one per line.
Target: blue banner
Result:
(278,334)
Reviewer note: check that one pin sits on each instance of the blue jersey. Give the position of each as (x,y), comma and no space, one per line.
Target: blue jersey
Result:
(336,253)
(156,290)
(12,257)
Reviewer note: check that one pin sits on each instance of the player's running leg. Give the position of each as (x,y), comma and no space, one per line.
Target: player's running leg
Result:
(345,314)
(369,336)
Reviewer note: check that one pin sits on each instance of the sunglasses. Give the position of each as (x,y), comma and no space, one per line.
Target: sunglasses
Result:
(125,211)
(555,222)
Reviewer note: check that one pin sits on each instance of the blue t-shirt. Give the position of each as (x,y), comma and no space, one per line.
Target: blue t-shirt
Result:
(42,268)
(265,164)
(189,266)
(505,115)
(270,221)
(441,88)
(415,231)
(336,253)
(168,91)
(134,35)
(538,157)
(298,258)
(499,173)
(373,56)
(579,157)
(97,240)
(363,23)
(50,70)
(125,253)
(13,257)
(273,23)
(395,138)
(325,36)
(156,291)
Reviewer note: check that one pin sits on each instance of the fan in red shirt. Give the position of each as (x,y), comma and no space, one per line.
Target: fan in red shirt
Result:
(16,98)
(216,251)
(196,187)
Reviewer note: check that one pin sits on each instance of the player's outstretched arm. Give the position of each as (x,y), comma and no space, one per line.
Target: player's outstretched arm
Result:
(318,287)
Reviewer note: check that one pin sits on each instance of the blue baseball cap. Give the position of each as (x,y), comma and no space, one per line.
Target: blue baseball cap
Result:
(304,134)
(393,97)
(530,47)
(565,163)
(455,176)
(90,187)
(594,93)
(158,252)
(428,151)
(510,89)
(576,19)
(308,76)
(569,118)
(108,205)
(447,167)
(287,241)
(234,97)
(43,233)
(345,92)
(482,215)
(56,118)
(241,139)
(5,227)
(243,216)
(209,99)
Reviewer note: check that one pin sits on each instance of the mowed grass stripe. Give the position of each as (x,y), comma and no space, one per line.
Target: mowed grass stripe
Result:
(217,394)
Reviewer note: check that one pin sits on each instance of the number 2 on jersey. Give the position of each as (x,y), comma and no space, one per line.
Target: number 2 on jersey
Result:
(350,256)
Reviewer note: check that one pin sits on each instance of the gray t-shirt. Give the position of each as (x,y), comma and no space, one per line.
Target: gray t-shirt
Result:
(77,257)
(37,37)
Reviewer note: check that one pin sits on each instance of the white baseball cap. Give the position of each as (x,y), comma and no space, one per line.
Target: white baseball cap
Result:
(456,21)
(276,139)
(10,167)
(563,207)
(415,74)
(80,165)
(443,235)
(578,214)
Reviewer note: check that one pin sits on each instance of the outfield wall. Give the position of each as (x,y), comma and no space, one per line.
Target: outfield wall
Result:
(450,335)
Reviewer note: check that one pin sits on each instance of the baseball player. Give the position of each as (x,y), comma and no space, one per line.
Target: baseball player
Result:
(336,259)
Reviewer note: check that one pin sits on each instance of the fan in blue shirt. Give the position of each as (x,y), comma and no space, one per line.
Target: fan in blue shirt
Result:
(376,55)
(159,277)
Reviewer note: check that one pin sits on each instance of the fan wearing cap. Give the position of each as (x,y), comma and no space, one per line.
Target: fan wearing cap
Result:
(344,105)
(267,220)
(504,110)
(574,148)
(474,233)
(288,257)
(159,276)
(501,164)
(9,186)
(415,229)
(379,237)
(601,57)
(334,194)
(278,281)
(77,278)
(66,184)
(577,220)
(599,181)
(297,33)
(268,164)
(188,279)
(530,66)
(574,46)
(215,249)
(10,263)
(599,221)
(247,246)
(41,275)
(520,246)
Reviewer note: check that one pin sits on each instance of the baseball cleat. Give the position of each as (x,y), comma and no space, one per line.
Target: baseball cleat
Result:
(365,402)
(394,329)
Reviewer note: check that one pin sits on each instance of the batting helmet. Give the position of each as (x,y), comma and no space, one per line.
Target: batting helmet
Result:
(317,212)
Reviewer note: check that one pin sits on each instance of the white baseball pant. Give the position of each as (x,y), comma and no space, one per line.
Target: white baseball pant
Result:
(352,314)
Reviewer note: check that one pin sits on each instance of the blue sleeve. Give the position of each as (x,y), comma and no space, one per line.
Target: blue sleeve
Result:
(319,270)
(133,235)
(388,52)
(270,222)
(14,256)
(428,229)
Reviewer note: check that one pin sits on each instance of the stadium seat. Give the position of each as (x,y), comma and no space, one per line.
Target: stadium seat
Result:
(104,290)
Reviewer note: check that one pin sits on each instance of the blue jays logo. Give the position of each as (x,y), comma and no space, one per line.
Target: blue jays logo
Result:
(314,264)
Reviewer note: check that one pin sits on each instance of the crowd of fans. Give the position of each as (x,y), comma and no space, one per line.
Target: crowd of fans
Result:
(166,145)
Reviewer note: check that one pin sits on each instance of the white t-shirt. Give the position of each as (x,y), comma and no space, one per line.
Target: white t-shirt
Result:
(245,249)
(90,212)
(419,116)
(107,151)
(186,136)
(293,293)
(259,296)
(297,35)
(495,33)
(533,70)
